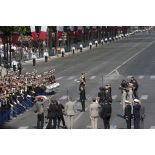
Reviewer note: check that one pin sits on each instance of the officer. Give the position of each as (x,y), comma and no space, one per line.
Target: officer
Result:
(96,43)
(82,98)
(105,114)
(81,47)
(40,113)
(20,67)
(136,114)
(106,40)
(127,114)
(62,52)
(135,86)
(90,45)
(46,56)
(34,59)
(110,39)
(102,42)
(14,65)
(73,50)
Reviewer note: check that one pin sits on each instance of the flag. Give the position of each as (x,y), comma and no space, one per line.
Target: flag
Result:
(60,30)
(43,33)
(15,37)
(33,32)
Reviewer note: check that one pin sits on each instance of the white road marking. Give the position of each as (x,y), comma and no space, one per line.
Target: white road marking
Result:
(118,68)
(23,127)
(92,77)
(59,78)
(88,127)
(152,77)
(140,77)
(113,126)
(77,80)
(129,76)
(71,77)
(144,97)
(63,97)
(152,127)
(114,97)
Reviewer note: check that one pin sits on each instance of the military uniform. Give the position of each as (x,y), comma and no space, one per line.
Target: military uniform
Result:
(136,114)
(127,114)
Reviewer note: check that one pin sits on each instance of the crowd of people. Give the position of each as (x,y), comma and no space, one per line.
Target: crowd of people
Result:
(17,92)
(99,107)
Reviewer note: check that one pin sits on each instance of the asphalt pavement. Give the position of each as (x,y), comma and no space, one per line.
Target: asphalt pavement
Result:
(131,56)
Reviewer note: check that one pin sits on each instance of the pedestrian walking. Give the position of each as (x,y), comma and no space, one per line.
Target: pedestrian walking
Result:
(82,98)
(96,43)
(127,114)
(20,67)
(73,50)
(142,115)
(136,114)
(94,113)
(60,115)
(105,114)
(40,113)
(81,47)
(70,112)
(14,65)
(46,56)
(90,45)
(34,59)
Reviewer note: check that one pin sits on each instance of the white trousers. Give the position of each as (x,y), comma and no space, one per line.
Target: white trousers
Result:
(70,120)
(94,121)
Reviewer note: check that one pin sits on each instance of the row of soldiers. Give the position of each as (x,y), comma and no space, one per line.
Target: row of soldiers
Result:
(17,92)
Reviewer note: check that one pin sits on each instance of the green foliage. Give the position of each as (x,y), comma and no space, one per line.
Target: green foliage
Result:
(10,29)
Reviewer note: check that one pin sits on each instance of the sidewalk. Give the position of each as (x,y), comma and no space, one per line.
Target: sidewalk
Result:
(77,51)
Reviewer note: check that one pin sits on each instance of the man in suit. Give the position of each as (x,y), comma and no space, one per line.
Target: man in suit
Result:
(70,112)
(52,115)
(106,110)
(127,114)
(82,98)
(40,113)
(94,113)
(136,114)
(60,114)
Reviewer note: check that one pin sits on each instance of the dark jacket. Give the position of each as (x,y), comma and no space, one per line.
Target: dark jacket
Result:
(60,110)
(106,110)
(52,111)
(136,110)
(82,95)
(127,112)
